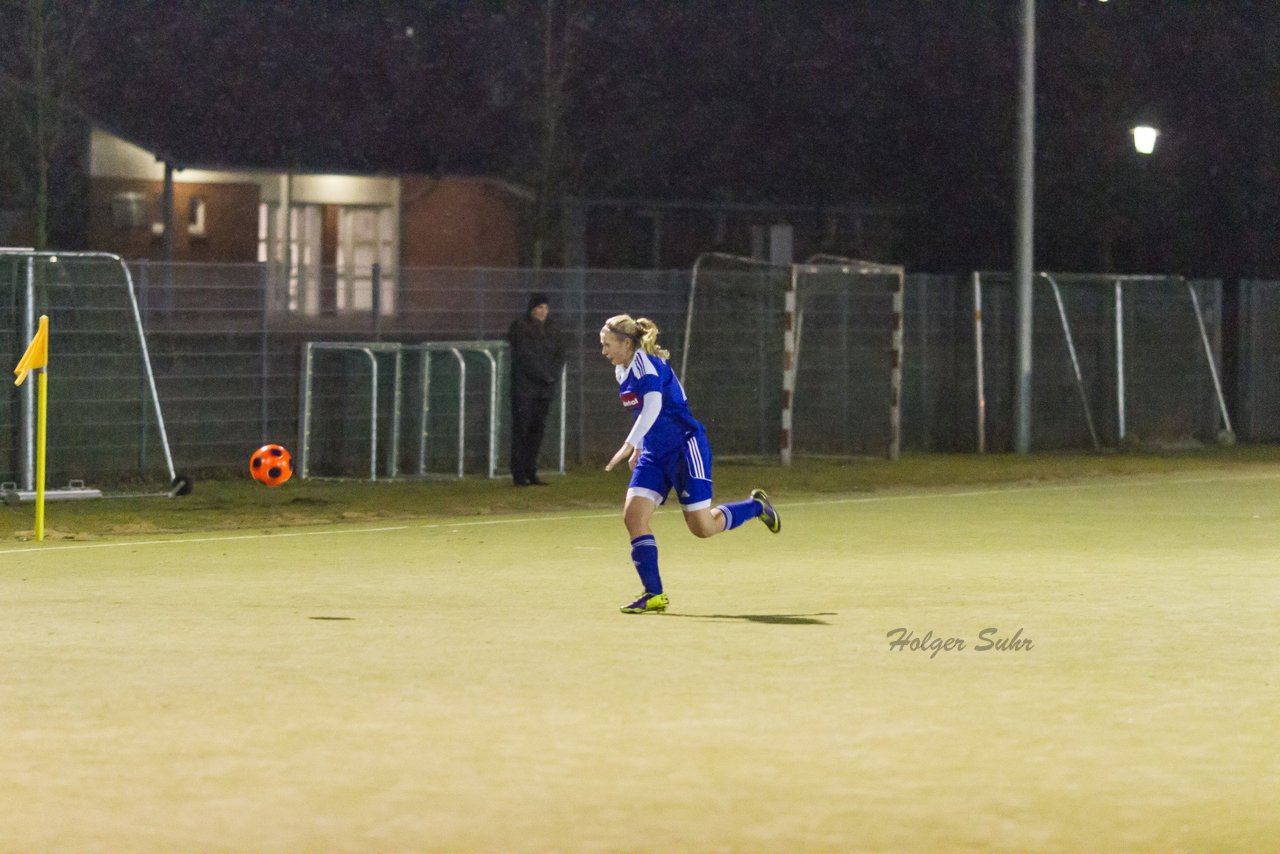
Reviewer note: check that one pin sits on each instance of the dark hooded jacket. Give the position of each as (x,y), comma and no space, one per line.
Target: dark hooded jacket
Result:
(537,356)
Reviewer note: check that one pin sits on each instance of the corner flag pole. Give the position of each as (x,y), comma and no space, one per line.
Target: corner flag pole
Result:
(37,359)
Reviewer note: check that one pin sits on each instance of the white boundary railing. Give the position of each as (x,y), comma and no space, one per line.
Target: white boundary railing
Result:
(495,352)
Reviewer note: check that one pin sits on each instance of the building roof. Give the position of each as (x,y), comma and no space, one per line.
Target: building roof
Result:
(245,145)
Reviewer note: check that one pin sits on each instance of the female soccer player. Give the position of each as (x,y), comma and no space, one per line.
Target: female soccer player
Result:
(667,448)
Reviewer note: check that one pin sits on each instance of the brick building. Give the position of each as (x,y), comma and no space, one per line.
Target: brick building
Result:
(326,230)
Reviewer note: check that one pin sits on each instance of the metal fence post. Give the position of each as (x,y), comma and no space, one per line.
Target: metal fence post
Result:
(564,399)
(28,392)
(1119,334)
(462,411)
(493,414)
(375,300)
(393,465)
(979,377)
(265,351)
(373,413)
(424,411)
(922,346)
(304,403)
(582,364)
(144,303)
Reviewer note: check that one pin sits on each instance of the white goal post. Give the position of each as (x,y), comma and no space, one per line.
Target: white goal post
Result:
(745,328)
(1131,352)
(102,383)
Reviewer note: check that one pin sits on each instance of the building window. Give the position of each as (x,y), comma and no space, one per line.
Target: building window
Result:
(292,253)
(265,217)
(195,217)
(366,236)
(305,235)
(128,210)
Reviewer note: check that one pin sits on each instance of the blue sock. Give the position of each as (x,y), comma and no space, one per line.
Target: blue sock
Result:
(644,554)
(739,512)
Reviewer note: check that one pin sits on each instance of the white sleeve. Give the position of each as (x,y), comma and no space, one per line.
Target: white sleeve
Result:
(648,415)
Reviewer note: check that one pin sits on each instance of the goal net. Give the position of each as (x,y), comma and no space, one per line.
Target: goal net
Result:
(801,359)
(105,425)
(1116,361)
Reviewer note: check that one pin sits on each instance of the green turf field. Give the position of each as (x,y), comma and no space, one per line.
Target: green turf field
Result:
(432,683)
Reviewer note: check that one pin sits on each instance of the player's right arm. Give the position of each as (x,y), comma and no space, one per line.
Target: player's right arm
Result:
(648,416)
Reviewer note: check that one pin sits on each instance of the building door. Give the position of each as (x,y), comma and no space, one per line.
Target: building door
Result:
(366,236)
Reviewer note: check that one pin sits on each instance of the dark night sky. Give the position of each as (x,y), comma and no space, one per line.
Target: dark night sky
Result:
(902,103)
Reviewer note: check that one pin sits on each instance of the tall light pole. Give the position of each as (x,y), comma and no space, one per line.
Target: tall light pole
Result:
(1024,241)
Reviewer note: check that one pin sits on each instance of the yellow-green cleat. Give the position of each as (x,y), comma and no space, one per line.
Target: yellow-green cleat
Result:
(648,603)
(772,518)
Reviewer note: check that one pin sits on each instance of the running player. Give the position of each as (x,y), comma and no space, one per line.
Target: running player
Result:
(666,449)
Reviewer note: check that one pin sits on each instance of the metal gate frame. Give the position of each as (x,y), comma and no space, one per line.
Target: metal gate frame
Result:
(496,352)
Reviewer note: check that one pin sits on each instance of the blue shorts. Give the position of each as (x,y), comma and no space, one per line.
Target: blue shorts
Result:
(686,468)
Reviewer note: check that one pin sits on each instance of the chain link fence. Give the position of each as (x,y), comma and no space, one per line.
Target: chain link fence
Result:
(227,357)
(1258,361)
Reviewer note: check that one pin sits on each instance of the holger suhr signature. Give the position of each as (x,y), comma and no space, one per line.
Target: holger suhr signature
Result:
(989,640)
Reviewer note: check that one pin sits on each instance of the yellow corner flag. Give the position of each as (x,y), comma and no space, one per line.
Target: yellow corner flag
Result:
(37,355)
(37,359)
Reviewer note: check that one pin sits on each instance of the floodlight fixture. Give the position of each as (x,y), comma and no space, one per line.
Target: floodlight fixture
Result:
(1144,138)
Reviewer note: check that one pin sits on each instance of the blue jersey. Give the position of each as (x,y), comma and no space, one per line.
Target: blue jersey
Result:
(675,423)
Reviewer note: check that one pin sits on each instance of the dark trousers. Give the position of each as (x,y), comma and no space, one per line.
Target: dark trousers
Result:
(528,423)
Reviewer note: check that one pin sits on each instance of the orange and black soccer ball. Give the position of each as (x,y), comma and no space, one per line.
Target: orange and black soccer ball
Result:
(271,465)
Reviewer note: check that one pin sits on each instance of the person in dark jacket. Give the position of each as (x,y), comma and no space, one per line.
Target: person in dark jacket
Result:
(537,357)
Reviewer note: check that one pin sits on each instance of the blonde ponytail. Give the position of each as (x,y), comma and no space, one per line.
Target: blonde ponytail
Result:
(649,338)
(643,332)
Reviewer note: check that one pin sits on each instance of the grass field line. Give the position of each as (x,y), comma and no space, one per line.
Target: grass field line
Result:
(825,502)
(218,539)
(1040,487)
